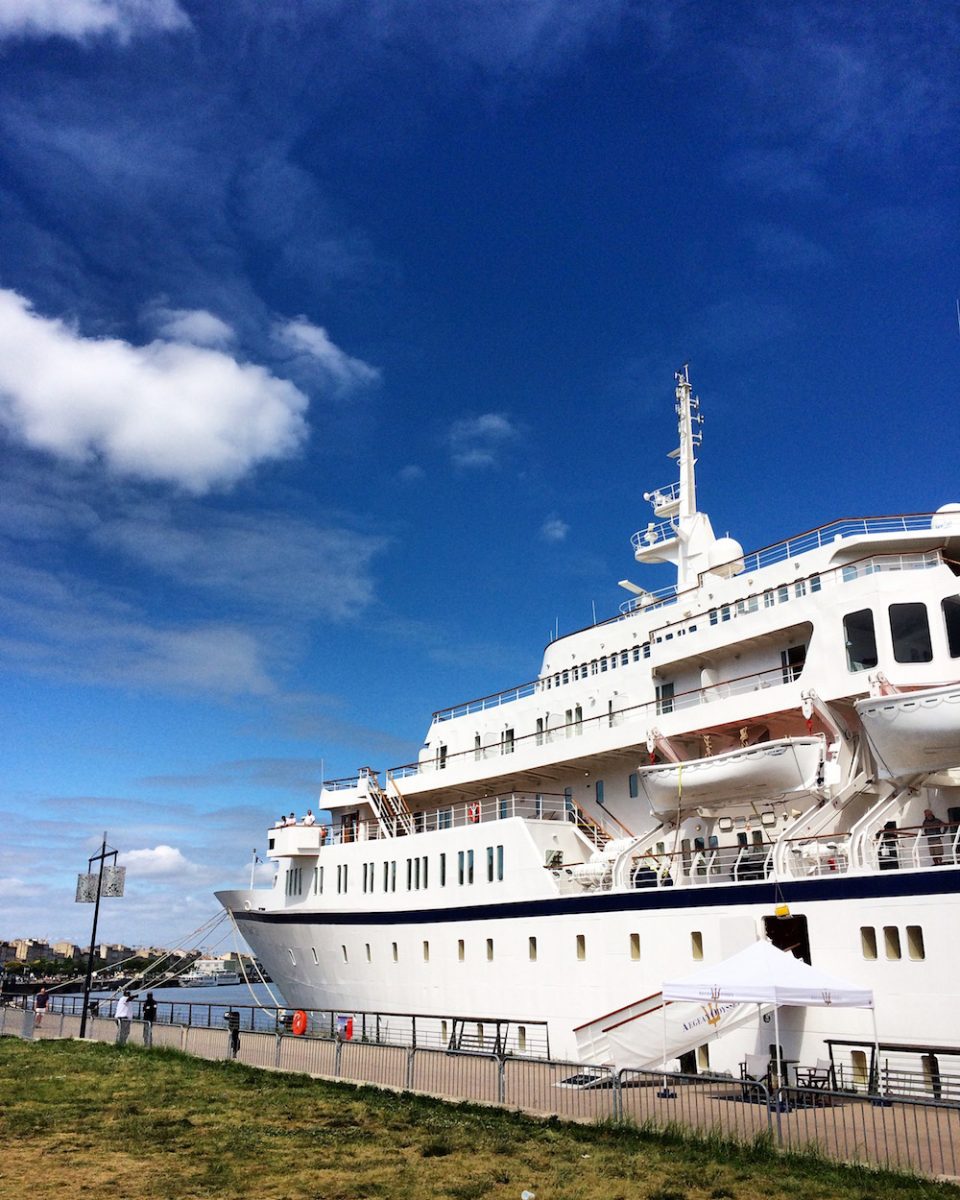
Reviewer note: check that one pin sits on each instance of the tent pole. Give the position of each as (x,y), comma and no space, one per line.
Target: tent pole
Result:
(876,1048)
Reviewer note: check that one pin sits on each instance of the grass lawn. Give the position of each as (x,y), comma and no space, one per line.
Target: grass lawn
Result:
(84,1118)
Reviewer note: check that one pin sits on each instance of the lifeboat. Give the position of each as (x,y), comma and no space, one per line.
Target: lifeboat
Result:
(768,771)
(913,733)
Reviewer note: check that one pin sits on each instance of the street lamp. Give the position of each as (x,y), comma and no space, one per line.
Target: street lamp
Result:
(107,881)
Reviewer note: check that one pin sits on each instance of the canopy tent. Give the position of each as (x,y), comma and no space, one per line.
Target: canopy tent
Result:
(762,974)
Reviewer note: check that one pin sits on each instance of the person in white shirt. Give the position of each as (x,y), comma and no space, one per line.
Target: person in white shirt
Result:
(309,819)
(123,1015)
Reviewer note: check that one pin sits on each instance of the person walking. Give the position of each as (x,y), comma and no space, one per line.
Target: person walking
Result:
(123,1015)
(933,832)
(40,1002)
(149,1014)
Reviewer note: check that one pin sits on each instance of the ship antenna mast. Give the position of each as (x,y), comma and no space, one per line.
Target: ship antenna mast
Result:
(689,422)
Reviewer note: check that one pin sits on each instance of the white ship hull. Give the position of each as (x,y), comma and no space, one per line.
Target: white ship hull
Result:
(914,733)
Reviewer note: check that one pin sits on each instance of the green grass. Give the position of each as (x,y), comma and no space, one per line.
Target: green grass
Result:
(82,1119)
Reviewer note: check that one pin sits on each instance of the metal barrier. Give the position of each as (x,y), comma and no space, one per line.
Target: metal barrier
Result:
(900,1133)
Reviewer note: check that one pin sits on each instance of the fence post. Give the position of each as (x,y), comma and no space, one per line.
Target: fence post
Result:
(276,1052)
(501,1078)
(408,1082)
(618,1096)
(337,1056)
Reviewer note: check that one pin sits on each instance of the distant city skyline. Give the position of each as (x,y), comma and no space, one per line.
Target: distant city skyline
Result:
(336,353)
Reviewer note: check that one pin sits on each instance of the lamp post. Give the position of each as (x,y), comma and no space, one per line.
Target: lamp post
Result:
(90,887)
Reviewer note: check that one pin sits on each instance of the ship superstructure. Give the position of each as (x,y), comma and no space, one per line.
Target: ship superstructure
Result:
(770,747)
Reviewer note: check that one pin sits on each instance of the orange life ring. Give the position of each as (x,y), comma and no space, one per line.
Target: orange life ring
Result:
(299,1023)
(473,814)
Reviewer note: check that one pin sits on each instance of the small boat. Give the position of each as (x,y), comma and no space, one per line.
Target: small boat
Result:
(913,733)
(209,972)
(790,766)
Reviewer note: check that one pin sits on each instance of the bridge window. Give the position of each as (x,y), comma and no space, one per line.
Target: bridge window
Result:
(910,630)
(860,640)
(951,619)
(868,941)
(915,946)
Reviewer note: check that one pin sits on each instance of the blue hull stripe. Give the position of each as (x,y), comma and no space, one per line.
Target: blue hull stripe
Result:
(889,885)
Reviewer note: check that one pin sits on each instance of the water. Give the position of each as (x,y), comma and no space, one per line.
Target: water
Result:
(191,1005)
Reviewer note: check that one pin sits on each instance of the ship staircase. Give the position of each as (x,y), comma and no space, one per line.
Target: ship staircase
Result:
(392,811)
(478,1037)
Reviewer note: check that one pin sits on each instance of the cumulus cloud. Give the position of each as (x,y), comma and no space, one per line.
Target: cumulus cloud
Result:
(480,441)
(194,325)
(79,19)
(311,345)
(554,529)
(157,862)
(167,412)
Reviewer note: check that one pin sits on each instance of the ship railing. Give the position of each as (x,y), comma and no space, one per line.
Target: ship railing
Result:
(649,601)
(721,690)
(835,531)
(531,806)
(657,533)
(775,595)
(913,847)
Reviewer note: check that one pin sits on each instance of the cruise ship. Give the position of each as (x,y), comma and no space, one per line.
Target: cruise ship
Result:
(769,748)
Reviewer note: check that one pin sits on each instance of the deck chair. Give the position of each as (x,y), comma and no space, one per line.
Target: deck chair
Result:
(818,1078)
(754,1072)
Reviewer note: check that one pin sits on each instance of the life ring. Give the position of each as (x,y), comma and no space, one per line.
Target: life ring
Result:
(473,814)
(299,1022)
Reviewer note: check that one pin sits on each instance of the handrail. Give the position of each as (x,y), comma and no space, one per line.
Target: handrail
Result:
(655,707)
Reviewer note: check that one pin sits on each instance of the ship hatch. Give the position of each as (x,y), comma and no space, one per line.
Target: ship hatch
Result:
(789,933)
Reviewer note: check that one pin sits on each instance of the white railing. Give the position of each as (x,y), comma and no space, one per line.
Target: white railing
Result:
(656,534)
(847,527)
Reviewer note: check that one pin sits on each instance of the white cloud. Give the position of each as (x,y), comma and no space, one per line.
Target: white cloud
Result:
(79,19)
(312,342)
(156,863)
(168,412)
(411,473)
(18,889)
(479,441)
(271,559)
(554,530)
(194,325)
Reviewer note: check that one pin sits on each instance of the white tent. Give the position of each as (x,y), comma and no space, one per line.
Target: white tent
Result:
(762,974)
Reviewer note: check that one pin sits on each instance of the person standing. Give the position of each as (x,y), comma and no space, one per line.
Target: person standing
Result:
(933,832)
(149,1014)
(123,1015)
(40,1002)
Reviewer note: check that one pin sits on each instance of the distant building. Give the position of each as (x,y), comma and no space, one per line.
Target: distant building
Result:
(64,951)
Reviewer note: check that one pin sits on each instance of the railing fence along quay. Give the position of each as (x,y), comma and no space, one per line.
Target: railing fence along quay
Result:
(895,1131)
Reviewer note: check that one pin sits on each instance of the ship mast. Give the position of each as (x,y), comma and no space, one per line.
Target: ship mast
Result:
(688,414)
(681,534)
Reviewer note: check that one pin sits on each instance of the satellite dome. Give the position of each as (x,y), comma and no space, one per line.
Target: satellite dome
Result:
(726,557)
(947,516)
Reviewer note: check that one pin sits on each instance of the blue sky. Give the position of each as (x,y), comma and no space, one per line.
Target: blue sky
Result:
(337,344)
